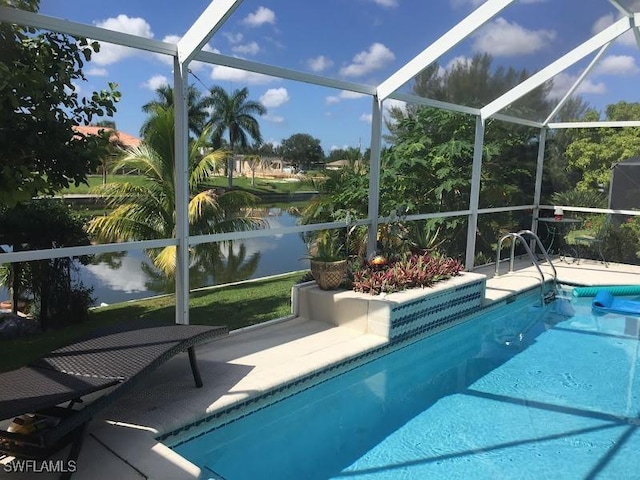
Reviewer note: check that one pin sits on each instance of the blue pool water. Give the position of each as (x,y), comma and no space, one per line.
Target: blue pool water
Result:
(523,392)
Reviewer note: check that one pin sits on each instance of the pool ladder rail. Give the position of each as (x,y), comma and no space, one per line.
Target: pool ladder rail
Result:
(545,296)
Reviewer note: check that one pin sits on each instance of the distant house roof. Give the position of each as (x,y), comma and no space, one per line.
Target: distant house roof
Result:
(337,164)
(120,138)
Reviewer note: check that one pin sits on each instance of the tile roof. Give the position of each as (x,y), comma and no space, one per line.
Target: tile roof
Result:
(121,138)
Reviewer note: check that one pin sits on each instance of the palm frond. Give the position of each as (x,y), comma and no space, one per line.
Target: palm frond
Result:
(165,260)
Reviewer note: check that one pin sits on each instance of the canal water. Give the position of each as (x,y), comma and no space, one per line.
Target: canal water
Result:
(131,275)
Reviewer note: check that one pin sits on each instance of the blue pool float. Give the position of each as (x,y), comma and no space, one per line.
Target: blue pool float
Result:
(605,302)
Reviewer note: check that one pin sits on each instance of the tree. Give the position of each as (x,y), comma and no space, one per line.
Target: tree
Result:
(236,115)
(39,105)
(592,152)
(473,83)
(254,162)
(350,153)
(40,224)
(145,212)
(428,169)
(197,107)
(303,151)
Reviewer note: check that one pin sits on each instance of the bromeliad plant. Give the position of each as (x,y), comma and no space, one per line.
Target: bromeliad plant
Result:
(413,271)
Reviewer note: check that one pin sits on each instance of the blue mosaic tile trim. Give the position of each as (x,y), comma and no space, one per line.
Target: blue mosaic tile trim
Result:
(435,309)
(237,411)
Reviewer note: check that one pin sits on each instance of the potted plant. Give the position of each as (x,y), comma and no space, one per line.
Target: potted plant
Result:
(328,259)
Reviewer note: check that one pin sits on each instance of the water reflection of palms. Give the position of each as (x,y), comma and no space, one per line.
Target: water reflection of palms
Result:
(208,267)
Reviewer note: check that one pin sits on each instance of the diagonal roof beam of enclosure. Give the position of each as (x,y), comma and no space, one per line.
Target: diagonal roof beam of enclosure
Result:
(622,9)
(204,27)
(577,83)
(628,13)
(442,45)
(597,41)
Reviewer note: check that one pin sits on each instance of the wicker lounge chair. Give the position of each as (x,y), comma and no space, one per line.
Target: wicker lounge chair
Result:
(113,360)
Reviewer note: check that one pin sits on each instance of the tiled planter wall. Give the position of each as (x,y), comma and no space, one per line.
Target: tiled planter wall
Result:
(395,316)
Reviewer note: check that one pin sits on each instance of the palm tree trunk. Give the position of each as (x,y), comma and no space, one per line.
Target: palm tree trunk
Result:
(230,171)
(15,287)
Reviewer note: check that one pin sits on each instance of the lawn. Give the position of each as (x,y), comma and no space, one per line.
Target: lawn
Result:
(261,185)
(236,306)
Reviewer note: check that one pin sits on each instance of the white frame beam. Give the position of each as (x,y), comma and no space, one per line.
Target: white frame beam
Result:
(603,124)
(204,27)
(181,136)
(427,102)
(283,73)
(374,175)
(474,196)
(577,83)
(442,45)
(21,17)
(537,194)
(597,41)
(624,11)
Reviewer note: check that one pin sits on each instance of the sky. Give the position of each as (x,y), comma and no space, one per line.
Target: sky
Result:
(361,41)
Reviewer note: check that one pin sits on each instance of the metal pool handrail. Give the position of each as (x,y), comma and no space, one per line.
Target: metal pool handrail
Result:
(520,236)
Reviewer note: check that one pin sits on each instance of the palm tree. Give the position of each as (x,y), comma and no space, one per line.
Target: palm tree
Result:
(147,211)
(197,107)
(234,114)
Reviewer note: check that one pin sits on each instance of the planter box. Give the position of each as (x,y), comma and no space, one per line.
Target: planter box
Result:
(394,316)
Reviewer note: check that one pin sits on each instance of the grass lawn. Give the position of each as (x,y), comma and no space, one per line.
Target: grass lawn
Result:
(261,185)
(236,306)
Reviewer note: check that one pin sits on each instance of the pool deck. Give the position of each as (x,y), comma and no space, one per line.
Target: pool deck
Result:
(121,443)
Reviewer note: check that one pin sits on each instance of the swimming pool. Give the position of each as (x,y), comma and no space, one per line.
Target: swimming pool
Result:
(522,392)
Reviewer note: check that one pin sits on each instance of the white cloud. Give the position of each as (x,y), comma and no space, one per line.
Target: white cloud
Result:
(246,49)
(503,39)
(386,3)
(130,277)
(261,16)
(349,95)
(77,88)
(319,63)
(338,147)
(172,39)
(616,65)
(366,117)
(274,118)
(343,95)
(96,72)
(219,72)
(274,97)
(234,37)
(563,82)
(110,53)
(156,82)
(274,142)
(603,22)
(460,60)
(367,61)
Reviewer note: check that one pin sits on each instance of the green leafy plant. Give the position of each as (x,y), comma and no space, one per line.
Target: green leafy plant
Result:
(414,271)
(327,246)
